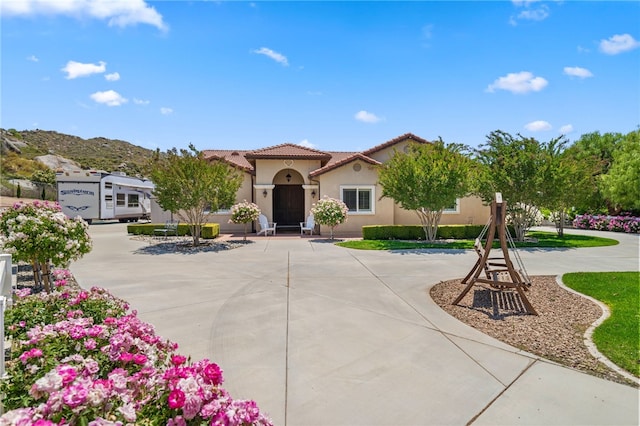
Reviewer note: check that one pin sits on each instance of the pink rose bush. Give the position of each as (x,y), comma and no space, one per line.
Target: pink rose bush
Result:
(628,224)
(245,213)
(39,233)
(330,211)
(80,357)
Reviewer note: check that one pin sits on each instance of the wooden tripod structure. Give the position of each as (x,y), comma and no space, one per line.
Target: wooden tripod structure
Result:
(499,272)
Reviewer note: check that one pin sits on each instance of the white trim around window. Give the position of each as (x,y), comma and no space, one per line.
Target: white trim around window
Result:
(361,199)
(453,209)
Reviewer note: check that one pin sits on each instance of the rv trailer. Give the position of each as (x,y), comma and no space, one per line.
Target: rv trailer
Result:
(98,195)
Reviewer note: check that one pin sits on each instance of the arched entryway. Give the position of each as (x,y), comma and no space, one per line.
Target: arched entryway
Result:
(288,200)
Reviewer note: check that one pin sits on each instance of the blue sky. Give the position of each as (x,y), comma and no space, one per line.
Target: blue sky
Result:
(342,76)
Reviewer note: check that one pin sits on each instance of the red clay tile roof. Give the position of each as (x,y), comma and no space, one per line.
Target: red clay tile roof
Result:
(288,150)
(395,141)
(329,159)
(345,160)
(233,156)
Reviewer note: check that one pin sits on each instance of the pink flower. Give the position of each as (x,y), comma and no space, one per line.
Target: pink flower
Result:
(75,395)
(178,360)
(177,421)
(139,359)
(126,357)
(176,399)
(90,344)
(67,373)
(212,374)
(24,292)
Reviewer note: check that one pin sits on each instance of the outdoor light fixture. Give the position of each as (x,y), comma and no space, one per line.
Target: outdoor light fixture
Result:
(313,194)
(288,176)
(264,193)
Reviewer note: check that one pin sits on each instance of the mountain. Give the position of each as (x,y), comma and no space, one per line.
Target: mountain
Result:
(21,148)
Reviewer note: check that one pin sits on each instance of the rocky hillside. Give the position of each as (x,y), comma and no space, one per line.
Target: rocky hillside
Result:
(25,151)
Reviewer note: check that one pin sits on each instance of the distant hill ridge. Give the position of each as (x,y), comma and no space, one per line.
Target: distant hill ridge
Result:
(95,153)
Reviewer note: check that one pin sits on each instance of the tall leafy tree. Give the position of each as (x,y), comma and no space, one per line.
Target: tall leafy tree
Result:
(596,148)
(566,179)
(188,185)
(511,166)
(427,179)
(621,184)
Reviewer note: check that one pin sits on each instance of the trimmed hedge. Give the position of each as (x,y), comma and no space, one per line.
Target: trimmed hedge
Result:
(209,230)
(415,232)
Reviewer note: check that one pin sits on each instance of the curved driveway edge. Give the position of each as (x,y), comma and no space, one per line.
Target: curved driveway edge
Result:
(321,335)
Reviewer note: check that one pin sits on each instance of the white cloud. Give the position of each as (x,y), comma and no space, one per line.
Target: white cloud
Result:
(521,82)
(532,11)
(618,43)
(109,98)
(166,111)
(538,126)
(278,57)
(577,72)
(119,13)
(32,58)
(140,101)
(77,69)
(114,76)
(427,31)
(366,117)
(539,14)
(566,129)
(307,144)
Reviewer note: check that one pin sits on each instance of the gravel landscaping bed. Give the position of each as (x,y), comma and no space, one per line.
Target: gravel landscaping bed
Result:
(161,245)
(556,333)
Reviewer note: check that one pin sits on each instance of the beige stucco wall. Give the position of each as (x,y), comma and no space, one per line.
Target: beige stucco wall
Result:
(331,183)
(222,218)
(471,211)
(385,154)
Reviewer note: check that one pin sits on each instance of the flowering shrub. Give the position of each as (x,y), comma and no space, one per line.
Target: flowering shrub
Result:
(107,368)
(628,224)
(39,233)
(244,212)
(330,212)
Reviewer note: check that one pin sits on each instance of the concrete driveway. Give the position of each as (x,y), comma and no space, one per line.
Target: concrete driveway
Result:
(321,335)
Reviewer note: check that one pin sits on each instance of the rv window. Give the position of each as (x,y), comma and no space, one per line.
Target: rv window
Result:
(133,200)
(120,200)
(108,185)
(108,199)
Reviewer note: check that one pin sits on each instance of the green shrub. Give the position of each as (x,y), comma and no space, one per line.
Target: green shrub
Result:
(415,232)
(209,230)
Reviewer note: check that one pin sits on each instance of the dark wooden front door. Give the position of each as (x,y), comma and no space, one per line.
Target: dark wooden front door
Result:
(288,205)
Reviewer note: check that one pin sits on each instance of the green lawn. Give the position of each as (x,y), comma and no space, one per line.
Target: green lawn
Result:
(618,337)
(545,240)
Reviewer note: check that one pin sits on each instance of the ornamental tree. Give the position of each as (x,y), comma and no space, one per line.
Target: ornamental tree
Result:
(511,166)
(565,180)
(330,212)
(188,185)
(621,184)
(39,233)
(427,179)
(245,213)
(598,149)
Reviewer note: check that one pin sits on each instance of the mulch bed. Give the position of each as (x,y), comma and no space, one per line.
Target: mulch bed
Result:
(556,333)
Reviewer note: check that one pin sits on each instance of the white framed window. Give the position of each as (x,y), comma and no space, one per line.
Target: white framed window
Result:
(108,200)
(454,209)
(120,200)
(133,200)
(359,198)
(108,185)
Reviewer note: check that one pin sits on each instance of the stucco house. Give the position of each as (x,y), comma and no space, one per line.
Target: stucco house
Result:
(285,180)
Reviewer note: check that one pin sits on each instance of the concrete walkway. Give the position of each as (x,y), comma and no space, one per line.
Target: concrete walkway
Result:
(321,335)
